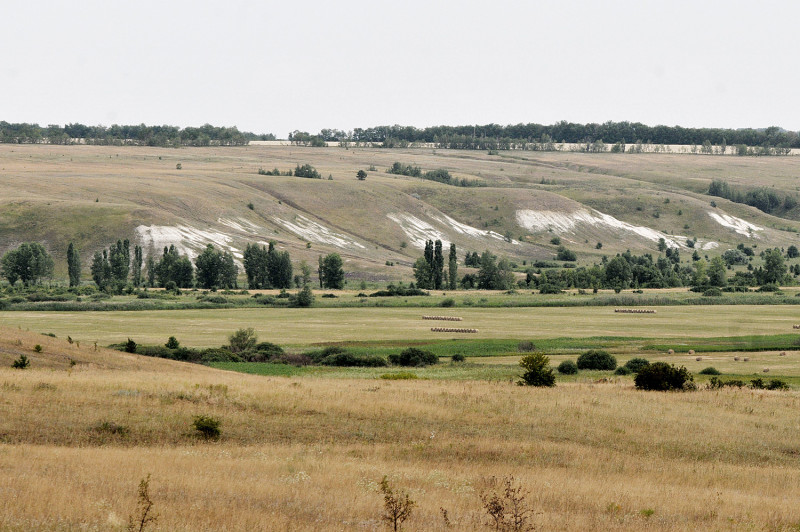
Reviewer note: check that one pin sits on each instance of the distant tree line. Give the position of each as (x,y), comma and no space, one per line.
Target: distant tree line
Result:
(762,198)
(545,137)
(139,135)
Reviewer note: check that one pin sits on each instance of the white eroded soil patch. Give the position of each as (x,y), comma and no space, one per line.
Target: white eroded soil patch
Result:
(313,232)
(560,222)
(187,239)
(464,229)
(419,231)
(742,227)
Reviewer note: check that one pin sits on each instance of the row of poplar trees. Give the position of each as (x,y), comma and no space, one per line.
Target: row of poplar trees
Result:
(429,269)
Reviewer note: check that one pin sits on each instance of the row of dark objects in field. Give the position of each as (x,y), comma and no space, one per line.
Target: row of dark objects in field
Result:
(634,311)
(449,329)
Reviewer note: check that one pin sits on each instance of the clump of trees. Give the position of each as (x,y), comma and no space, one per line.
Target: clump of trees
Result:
(330,271)
(267,267)
(216,269)
(492,275)
(762,198)
(29,263)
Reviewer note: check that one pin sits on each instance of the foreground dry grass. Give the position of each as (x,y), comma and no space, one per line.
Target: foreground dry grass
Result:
(308,454)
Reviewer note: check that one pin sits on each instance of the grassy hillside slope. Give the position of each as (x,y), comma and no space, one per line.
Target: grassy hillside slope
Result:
(94,195)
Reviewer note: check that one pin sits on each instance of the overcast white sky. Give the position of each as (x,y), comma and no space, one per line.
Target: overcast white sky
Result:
(279,66)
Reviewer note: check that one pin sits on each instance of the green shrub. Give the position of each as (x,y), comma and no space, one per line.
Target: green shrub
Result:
(597,359)
(347,359)
(458,357)
(219,354)
(710,371)
(207,427)
(622,370)
(413,357)
(305,297)
(661,376)
(769,287)
(21,363)
(403,375)
(263,351)
(242,340)
(158,351)
(712,292)
(130,346)
(172,343)
(568,367)
(447,302)
(537,371)
(37,348)
(636,364)
(774,384)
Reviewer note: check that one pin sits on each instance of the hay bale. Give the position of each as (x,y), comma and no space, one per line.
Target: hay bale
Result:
(766,370)
(671,352)
(691,351)
(746,359)
(783,354)
(699,359)
(736,359)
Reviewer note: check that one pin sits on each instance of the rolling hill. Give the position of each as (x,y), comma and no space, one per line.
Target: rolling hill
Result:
(94,195)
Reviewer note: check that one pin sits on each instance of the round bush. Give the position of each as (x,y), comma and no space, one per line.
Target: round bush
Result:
(710,371)
(661,376)
(413,357)
(568,367)
(597,359)
(537,371)
(458,357)
(636,364)
(622,370)
(712,292)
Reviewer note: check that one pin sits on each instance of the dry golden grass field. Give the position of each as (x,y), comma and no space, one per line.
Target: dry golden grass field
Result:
(309,454)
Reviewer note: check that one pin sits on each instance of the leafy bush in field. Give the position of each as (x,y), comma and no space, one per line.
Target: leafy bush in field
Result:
(263,352)
(597,359)
(622,370)
(448,302)
(568,367)
(172,343)
(710,371)
(526,346)
(636,364)
(207,427)
(717,383)
(413,357)
(537,371)
(774,384)
(712,292)
(130,346)
(243,340)
(347,359)
(458,357)
(21,363)
(218,355)
(661,376)
(158,351)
